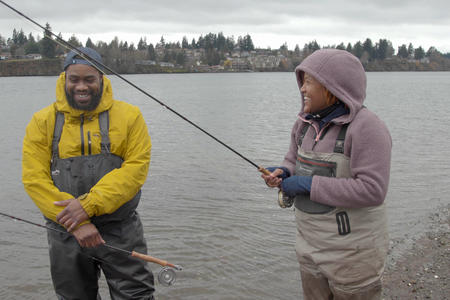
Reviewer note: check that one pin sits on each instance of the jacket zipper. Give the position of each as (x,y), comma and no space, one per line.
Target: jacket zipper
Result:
(82,134)
(89,142)
(318,134)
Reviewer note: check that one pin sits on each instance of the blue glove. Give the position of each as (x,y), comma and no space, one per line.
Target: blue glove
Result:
(285,173)
(295,185)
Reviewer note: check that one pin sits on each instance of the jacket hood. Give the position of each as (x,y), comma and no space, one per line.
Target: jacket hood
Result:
(62,104)
(341,73)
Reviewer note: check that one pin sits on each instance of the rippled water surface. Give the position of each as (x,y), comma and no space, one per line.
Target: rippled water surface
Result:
(205,208)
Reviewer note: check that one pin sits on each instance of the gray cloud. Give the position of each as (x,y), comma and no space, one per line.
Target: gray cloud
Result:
(270,23)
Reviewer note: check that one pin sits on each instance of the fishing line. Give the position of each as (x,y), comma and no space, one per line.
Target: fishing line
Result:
(100,65)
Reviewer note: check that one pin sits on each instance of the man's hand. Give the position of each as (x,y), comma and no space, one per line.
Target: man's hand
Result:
(87,235)
(71,216)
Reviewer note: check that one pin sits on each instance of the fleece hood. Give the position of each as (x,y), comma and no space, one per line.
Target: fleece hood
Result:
(62,104)
(341,73)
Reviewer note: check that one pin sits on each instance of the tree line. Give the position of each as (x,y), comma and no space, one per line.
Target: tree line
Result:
(214,49)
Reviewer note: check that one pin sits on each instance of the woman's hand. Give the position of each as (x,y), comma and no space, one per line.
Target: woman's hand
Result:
(273,180)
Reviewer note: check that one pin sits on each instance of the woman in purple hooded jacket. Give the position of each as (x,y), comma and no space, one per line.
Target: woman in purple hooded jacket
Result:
(336,173)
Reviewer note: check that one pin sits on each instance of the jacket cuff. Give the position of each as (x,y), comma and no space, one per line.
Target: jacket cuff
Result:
(286,172)
(88,204)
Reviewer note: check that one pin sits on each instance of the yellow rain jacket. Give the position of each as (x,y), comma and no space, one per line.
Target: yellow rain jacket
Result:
(129,140)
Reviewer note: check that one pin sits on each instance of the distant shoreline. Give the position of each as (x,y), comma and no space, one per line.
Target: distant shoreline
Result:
(53,67)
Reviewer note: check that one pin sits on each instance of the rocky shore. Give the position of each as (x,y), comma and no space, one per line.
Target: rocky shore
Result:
(423,272)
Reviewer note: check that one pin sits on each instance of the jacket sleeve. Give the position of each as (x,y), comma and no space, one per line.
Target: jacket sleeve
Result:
(368,144)
(291,156)
(36,156)
(121,185)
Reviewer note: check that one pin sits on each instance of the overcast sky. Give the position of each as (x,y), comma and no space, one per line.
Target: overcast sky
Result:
(270,23)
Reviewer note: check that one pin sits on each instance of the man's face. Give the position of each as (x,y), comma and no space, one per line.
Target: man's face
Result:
(84,86)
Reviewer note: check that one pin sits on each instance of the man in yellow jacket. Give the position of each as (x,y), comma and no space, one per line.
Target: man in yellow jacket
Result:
(85,158)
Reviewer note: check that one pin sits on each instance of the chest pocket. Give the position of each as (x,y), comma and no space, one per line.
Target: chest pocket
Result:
(311,163)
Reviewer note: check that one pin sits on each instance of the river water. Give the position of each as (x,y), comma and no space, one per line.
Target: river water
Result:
(205,208)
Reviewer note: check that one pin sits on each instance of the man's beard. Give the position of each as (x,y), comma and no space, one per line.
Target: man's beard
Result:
(95,100)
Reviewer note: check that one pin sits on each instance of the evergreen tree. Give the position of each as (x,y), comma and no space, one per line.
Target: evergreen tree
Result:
(212,57)
(349,48)
(2,42)
(210,41)
(221,42)
(341,46)
(230,43)
(142,45)
(162,42)
(151,52)
(432,51)
(297,51)
(19,38)
(246,43)
(403,51)
(358,49)
(114,44)
(89,43)
(314,46)
(419,53)
(368,48)
(200,42)
(48,47)
(410,50)
(74,41)
(381,49)
(181,58)
(123,46)
(184,43)
(31,46)
(60,50)
(284,49)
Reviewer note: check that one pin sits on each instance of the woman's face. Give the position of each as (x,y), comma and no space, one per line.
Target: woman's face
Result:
(314,95)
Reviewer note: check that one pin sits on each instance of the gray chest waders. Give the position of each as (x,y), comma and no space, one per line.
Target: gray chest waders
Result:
(311,163)
(77,175)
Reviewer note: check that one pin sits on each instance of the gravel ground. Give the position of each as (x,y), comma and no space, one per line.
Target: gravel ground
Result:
(423,272)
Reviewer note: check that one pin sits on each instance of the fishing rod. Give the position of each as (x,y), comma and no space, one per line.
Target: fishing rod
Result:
(99,65)
(166,276)
(145,257)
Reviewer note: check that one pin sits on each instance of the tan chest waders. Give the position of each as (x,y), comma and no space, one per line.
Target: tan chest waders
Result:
(346,245)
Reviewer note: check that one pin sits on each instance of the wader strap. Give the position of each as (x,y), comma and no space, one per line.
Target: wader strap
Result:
(103,120)
(339,146)
(59,123)
(303,133)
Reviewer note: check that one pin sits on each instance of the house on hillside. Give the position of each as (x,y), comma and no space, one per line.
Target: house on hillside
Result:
(34,56)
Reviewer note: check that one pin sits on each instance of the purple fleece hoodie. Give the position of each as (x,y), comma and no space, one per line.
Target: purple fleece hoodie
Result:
(367,143)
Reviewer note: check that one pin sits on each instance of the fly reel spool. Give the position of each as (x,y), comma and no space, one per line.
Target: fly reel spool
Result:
(284,201)
(167,276)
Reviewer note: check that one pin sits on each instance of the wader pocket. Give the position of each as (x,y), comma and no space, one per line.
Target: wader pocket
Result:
(309,167)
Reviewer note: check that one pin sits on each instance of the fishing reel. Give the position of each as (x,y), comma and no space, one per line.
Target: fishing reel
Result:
(167,276)
(284,201)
